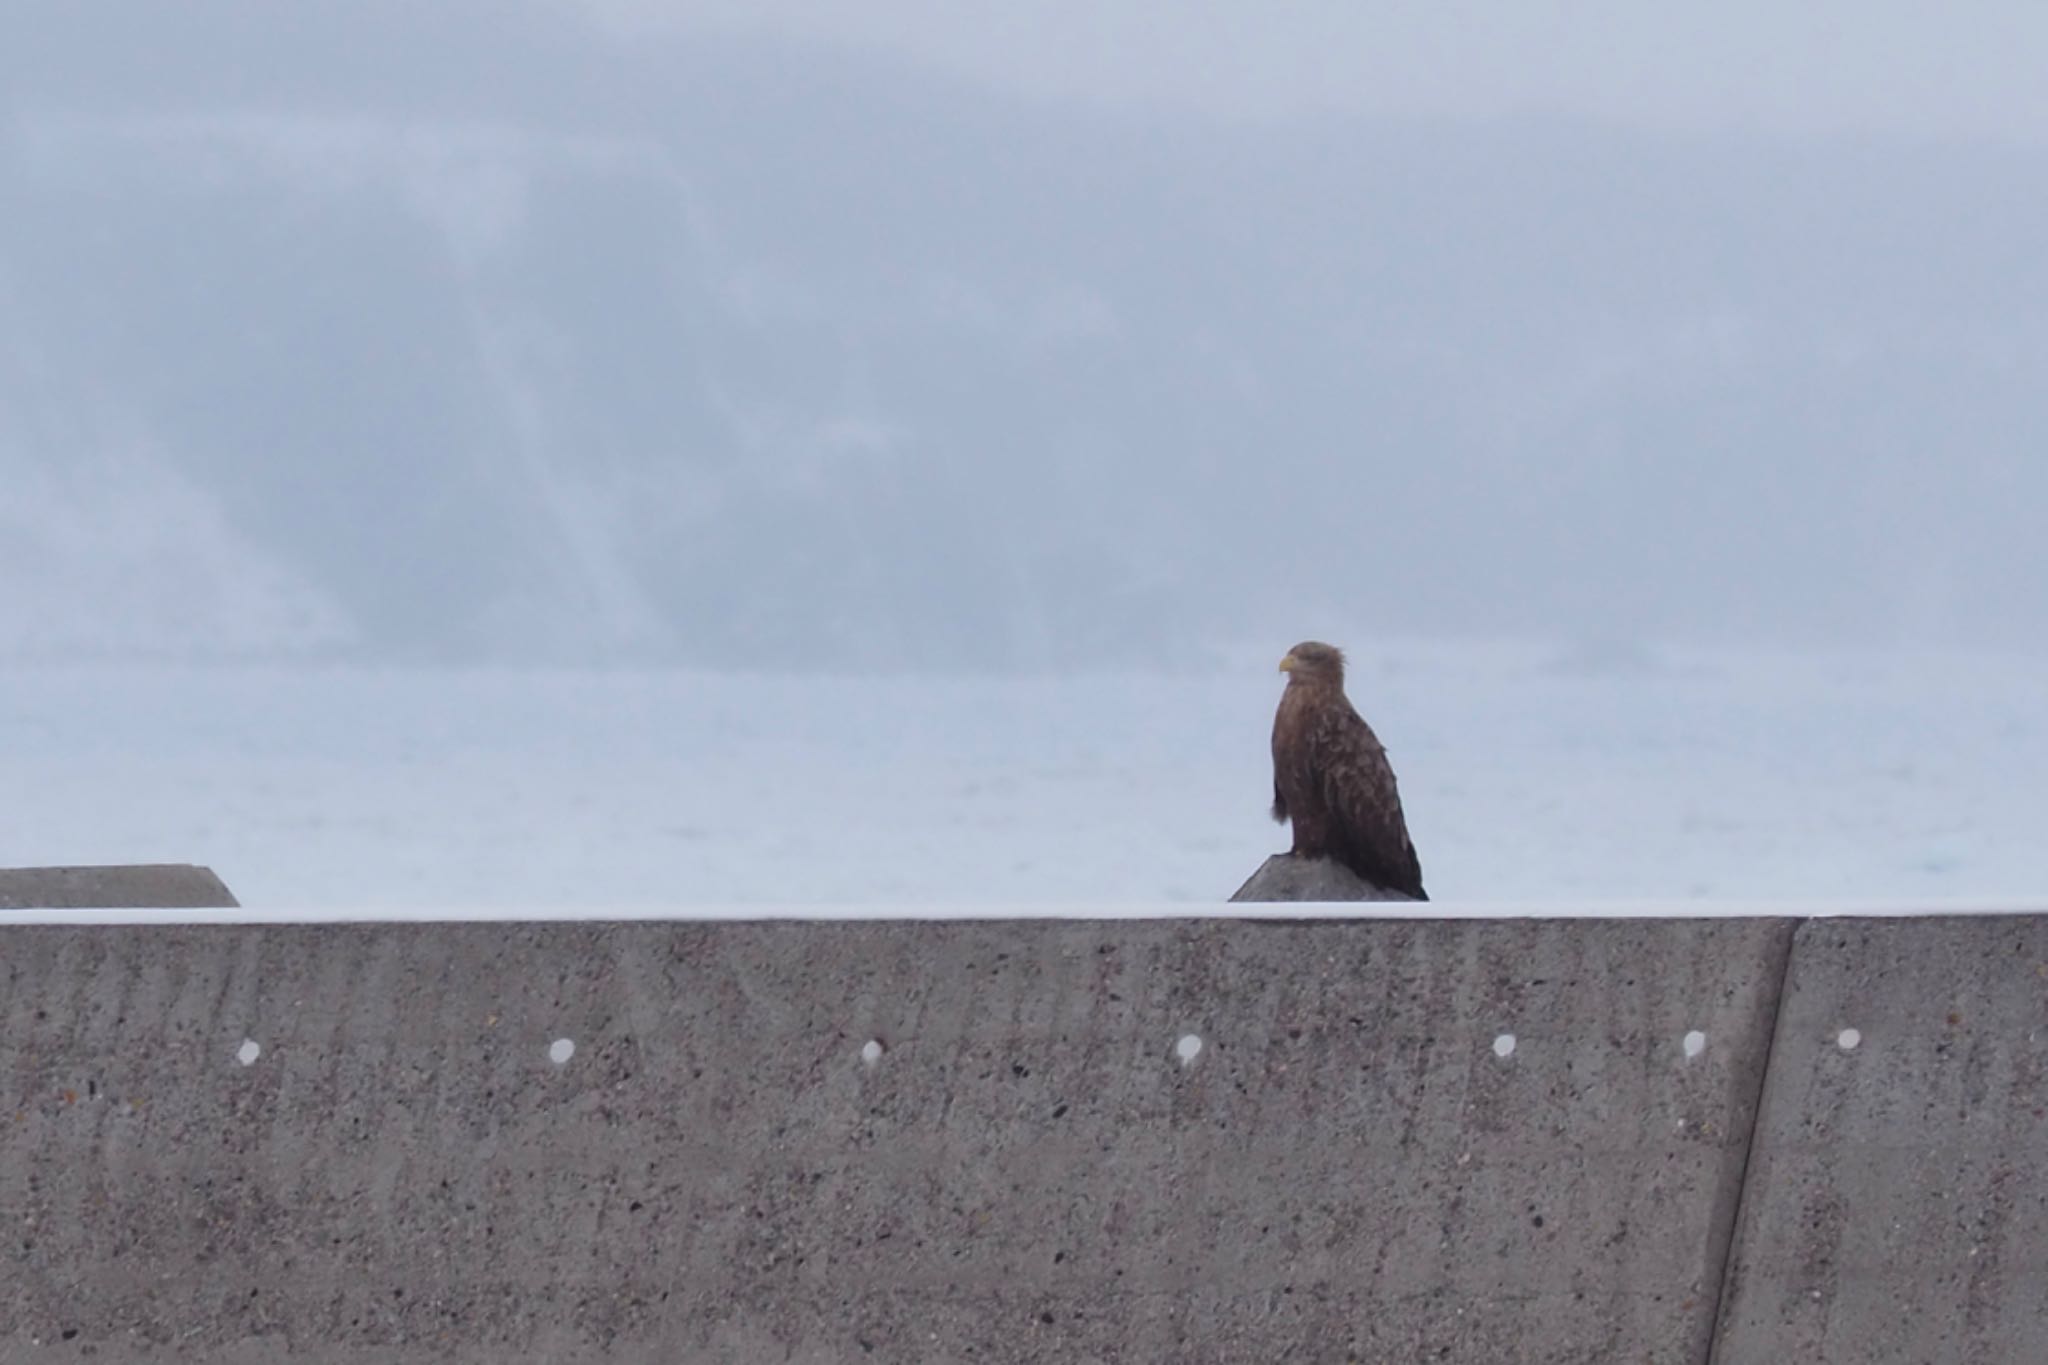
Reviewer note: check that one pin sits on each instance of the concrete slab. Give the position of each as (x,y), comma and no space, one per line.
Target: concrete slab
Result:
(173,886)
(1198,1140)
(1897,1201)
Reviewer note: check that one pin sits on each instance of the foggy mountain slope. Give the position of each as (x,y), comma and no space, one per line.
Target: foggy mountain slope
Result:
(516,340)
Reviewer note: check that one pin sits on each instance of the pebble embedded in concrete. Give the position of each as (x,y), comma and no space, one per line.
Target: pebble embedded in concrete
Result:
(249,1051)
(1188,1048)
(561,1050)
(871,1052)
(1695,1043)
(1848,1039)
(1504,1046)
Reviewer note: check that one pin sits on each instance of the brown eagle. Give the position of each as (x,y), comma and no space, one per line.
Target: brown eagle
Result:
(1332,778)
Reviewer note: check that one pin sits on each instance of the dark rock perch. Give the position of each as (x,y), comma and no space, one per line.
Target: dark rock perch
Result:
(167,886)
(1284,877)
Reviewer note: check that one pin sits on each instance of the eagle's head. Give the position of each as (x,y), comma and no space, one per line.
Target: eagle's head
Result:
(1314,662)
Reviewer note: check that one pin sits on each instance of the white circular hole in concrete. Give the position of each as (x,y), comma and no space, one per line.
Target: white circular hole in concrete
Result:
(1188,1048)
(1695,1043)
(248,1052)
(1848,1039)
(561,1050)
(871,1052)
(1504,1046)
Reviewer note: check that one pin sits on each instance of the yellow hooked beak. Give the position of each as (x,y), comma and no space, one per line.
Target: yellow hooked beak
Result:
(1287,664)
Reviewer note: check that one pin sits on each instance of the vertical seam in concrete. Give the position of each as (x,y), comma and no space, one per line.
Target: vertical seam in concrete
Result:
(1756,1126)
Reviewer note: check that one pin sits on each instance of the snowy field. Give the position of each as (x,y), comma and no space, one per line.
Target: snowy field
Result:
(1529,776)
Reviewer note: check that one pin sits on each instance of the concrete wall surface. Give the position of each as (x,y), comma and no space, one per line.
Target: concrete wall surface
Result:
(177,886)
(1134,1141)
(1896,1208)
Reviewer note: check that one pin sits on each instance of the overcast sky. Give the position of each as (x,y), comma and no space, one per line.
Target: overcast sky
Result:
(475,330)
(1814,66)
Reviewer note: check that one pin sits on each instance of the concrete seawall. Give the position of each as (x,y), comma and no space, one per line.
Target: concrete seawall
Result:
(171,885)
(1190,1140)
(1897,1201)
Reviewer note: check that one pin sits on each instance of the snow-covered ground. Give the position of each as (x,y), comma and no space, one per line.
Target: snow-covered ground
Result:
(1530,775)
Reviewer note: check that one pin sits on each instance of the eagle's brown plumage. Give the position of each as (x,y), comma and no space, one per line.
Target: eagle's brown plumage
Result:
(1332,778)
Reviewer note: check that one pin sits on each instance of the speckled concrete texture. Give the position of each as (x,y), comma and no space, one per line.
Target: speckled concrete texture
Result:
(1141,1141)
(169,886)
(1897,1201)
